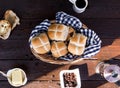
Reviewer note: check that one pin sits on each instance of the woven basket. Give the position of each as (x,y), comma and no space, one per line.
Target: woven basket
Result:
(50,59)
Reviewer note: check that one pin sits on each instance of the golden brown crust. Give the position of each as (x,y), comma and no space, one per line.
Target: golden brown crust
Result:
(81,50)
(41,43)
(58,32)
(58,49)
(77,44)
(12,18)
(71,32)
(5,29)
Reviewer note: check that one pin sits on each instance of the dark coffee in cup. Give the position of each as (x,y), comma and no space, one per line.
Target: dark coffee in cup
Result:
(80,3)
(79,6)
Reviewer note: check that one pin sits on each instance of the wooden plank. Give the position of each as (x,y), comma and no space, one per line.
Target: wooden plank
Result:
(15,49)
(34,9)
(5,84)
(86,67)
(98,84)
(101,16)
(110,42)
(33,69)
(109,51)
(105,28)
(56,84)
(37,70)
(84,84)
(19,49)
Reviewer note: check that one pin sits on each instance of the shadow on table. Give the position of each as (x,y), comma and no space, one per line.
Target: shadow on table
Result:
(116,61)
(36,69)
(92,81)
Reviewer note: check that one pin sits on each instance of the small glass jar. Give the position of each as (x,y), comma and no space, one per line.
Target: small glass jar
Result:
(110,72)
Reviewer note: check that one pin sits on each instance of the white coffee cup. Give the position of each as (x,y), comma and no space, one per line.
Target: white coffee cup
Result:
(79,6)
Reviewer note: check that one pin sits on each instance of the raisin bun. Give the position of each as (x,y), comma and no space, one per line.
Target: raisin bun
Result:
(70,33)
(77,44)
(58,49)
(40,43)
(58,32)
(5,29)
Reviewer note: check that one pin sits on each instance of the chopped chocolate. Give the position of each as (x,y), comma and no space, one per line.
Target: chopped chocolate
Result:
(70,80)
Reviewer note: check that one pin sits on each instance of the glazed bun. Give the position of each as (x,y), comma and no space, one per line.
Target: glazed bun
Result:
(77,44)
(58,32)
(5,29)
(58,49)
(40,43)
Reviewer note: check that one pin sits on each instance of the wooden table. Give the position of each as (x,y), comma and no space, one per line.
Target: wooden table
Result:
(102,16)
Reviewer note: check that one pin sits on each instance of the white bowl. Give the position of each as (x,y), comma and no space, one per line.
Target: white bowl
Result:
(77,77)
(23,75)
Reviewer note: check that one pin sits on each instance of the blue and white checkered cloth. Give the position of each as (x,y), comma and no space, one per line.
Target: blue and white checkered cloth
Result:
(68,20)
(93,43)
(42,27)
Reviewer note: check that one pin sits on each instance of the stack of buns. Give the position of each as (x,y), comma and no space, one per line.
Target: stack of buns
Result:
(59,40)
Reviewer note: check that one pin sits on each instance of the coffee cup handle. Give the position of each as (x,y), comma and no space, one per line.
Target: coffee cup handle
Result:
(72,1)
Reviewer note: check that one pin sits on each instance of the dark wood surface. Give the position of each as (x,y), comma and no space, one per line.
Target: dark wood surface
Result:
(102,16)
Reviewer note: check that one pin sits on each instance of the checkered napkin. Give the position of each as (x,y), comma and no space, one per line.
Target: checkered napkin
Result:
(42,27)
(93,44)
(68,20)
